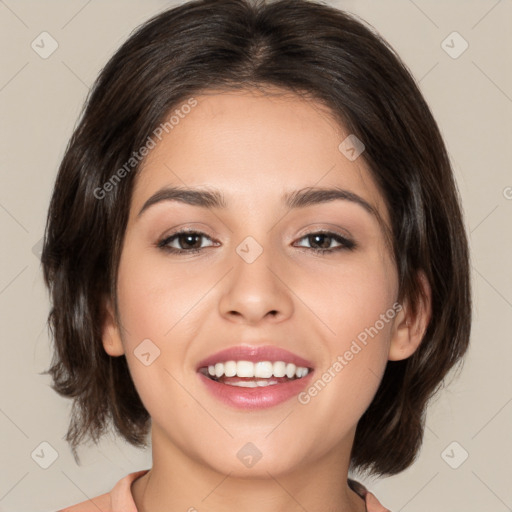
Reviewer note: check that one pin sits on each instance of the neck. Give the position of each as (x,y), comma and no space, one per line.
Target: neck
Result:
(178,482)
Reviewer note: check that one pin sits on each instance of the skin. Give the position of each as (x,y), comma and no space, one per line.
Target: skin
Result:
(254,147)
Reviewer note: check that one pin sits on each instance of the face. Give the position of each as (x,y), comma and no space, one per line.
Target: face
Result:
(252,275)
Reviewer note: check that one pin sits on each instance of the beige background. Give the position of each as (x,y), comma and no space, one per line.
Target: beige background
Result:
(471,98)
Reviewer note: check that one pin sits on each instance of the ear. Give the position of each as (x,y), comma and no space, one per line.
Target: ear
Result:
(110,331)
(409,329)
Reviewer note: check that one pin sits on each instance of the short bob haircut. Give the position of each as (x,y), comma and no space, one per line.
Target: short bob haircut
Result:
(303,47)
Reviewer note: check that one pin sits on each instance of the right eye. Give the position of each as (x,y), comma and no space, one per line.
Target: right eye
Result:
(185,239)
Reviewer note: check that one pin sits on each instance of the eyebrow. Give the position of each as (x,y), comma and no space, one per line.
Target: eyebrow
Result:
(211,198)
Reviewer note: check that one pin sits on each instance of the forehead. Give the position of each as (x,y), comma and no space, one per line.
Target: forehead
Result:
(255,146)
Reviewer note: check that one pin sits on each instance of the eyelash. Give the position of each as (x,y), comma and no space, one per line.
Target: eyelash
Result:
(346,244)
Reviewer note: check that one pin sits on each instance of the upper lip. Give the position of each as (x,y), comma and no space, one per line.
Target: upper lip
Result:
(254,353)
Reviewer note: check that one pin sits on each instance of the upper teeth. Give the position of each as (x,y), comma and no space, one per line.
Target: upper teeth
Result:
(261,369)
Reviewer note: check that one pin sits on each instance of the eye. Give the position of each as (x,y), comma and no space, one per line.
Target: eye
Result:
(187,241)
(325,239)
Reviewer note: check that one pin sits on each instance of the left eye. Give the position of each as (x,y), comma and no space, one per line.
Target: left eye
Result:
(326,238)
(189,242)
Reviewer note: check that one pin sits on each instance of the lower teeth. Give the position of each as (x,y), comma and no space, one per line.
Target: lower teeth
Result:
(249,383)
(252,383)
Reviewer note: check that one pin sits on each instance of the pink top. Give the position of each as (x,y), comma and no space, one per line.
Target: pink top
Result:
(120,498)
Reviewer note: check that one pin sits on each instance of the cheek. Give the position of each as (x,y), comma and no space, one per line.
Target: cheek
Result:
(357,306)
(356,300)
(155,296)
(146,293)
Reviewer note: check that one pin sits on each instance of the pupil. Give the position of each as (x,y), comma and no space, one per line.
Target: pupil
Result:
(189,237)
(325,237)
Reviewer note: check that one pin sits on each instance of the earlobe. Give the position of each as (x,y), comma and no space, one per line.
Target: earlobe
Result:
(409,327)
(110,332)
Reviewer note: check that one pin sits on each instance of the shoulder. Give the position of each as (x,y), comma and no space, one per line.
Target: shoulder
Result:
(370,500)
(119,499)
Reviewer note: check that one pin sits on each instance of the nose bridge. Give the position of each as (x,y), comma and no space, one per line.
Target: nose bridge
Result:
(253,260)
(255,288)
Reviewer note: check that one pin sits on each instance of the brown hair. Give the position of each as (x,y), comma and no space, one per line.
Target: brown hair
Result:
(297,45)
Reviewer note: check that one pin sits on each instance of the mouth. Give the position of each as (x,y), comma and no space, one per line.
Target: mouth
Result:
(248,374)
(254,377)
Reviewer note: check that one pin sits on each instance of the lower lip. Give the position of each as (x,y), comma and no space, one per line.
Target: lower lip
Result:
(255,398)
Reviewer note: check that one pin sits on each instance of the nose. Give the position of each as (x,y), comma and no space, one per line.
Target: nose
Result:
(256,291)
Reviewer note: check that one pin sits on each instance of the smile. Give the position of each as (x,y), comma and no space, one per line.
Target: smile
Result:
(254,374)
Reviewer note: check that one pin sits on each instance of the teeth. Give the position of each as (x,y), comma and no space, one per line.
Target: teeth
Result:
(263,369)
(230,369)
(252,383)
(260,369)
(291,370)
(244,369)
(279,369)
(219,370)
